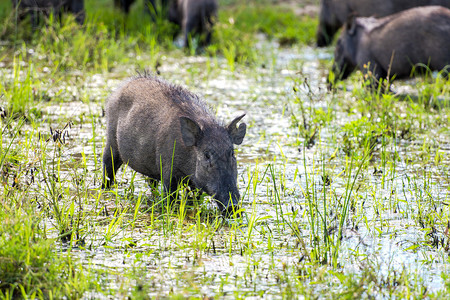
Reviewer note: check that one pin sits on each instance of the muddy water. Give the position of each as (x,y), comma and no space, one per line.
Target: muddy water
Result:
(266,94)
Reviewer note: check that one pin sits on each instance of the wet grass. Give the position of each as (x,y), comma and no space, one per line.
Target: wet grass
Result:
(345,193)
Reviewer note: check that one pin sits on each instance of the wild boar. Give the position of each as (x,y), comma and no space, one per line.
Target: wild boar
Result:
(167,133)
(395,45)
(37,7)
(334,13)
(194,17)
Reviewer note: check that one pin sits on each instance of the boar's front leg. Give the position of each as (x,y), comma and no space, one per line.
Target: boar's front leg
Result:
(173,185)
(170,185)
(111,163)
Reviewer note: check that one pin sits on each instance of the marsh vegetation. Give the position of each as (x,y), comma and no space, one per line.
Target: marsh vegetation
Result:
(345,193)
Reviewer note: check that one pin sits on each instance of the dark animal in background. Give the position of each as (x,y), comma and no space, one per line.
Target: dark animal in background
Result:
(147,118)
(154,7)
(35,8)
(124,5)
(194,17)
(334,13)
(395,45)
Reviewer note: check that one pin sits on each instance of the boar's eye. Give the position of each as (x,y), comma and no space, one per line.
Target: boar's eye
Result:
(207,155)
(231,154)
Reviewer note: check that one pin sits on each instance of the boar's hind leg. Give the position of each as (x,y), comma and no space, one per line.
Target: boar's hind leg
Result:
(111,163)
(189,30)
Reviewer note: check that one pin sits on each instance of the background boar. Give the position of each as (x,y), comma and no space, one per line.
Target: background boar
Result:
(37,7)
(334,13)
(194,17)
(124,5)
(415,36)
(147,118)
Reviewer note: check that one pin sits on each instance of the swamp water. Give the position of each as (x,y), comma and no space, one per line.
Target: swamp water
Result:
(317,223)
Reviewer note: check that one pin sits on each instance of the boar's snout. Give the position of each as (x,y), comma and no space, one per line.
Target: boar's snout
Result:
(229,204)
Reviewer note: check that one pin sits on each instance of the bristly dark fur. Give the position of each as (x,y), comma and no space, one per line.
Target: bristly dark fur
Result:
(144,73)
(179,94)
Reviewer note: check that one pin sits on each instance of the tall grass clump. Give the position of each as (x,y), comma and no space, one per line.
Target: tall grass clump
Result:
(19,91)
(236,46)
(30,265)
(237,27)
(330,203)
(91,47)
(275,22)
(403,116)
(307,114)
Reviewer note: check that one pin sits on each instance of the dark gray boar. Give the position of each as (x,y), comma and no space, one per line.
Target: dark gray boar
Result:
(35,8)
(334,13)
(395,45)
(147,118)
(194,17)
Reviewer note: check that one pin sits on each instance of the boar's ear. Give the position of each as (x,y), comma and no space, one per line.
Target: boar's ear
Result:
(190,131)
(237,133)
